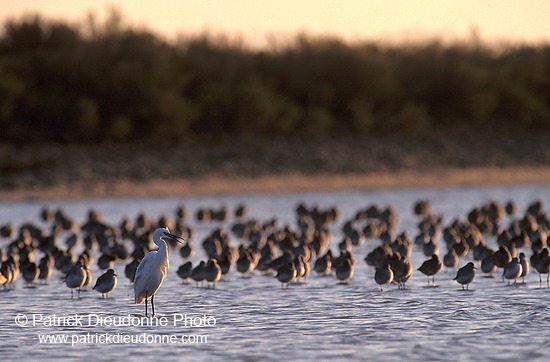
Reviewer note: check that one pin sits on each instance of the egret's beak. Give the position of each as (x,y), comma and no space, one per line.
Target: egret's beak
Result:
(177,238)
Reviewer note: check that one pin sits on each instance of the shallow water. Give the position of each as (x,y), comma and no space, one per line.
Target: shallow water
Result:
(254,319)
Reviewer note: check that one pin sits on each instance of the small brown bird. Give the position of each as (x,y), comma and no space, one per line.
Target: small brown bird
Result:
(466,275)
(106,283)
(197,274)
(213,272)
(344,271)
(541,262)
(76,278)
(184,271)
(512,270)
(430,248)
(524,266)
(323,264)
(487,264)
(450,260)
(402,271)
(431,267)
(501,257)
(286,274)
(383,275)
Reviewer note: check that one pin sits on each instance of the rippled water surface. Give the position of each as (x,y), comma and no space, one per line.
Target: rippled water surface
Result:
(254,319)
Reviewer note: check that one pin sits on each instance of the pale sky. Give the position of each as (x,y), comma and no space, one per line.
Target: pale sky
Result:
(254,20)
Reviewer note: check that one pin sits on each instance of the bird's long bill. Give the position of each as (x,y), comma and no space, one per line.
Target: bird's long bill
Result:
(177,238)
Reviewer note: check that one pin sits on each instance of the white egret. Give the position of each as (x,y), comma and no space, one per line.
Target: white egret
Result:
(151,271)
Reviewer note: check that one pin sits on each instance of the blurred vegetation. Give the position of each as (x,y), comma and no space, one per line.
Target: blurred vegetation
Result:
(112,83)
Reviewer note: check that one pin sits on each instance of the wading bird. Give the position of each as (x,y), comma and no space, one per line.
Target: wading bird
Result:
(76,278)
(151,270)
(106,283)
(431,267)
(466,274)
(383,275)
(512,270)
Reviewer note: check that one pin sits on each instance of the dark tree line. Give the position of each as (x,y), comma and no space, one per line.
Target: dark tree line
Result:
(59,83)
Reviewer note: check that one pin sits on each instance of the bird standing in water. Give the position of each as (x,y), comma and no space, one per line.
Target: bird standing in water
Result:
(466,274)
(106,283)
(383,275)
(541,262)
(512,270)
(76,278)
(431,267)
(151,271)
(286,273)
(212,272)
(524,266)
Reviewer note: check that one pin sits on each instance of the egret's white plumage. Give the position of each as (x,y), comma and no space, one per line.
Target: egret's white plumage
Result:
(151,271)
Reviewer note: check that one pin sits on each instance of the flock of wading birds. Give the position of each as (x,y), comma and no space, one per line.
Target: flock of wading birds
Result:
(288,252)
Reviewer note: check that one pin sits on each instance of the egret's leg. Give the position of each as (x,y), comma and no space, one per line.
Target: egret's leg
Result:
(153,304)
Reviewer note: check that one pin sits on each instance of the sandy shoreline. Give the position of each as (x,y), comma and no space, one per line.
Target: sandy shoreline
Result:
(209,167)
(216,185)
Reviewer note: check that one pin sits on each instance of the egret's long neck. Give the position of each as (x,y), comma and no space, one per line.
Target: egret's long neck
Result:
(163,250)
